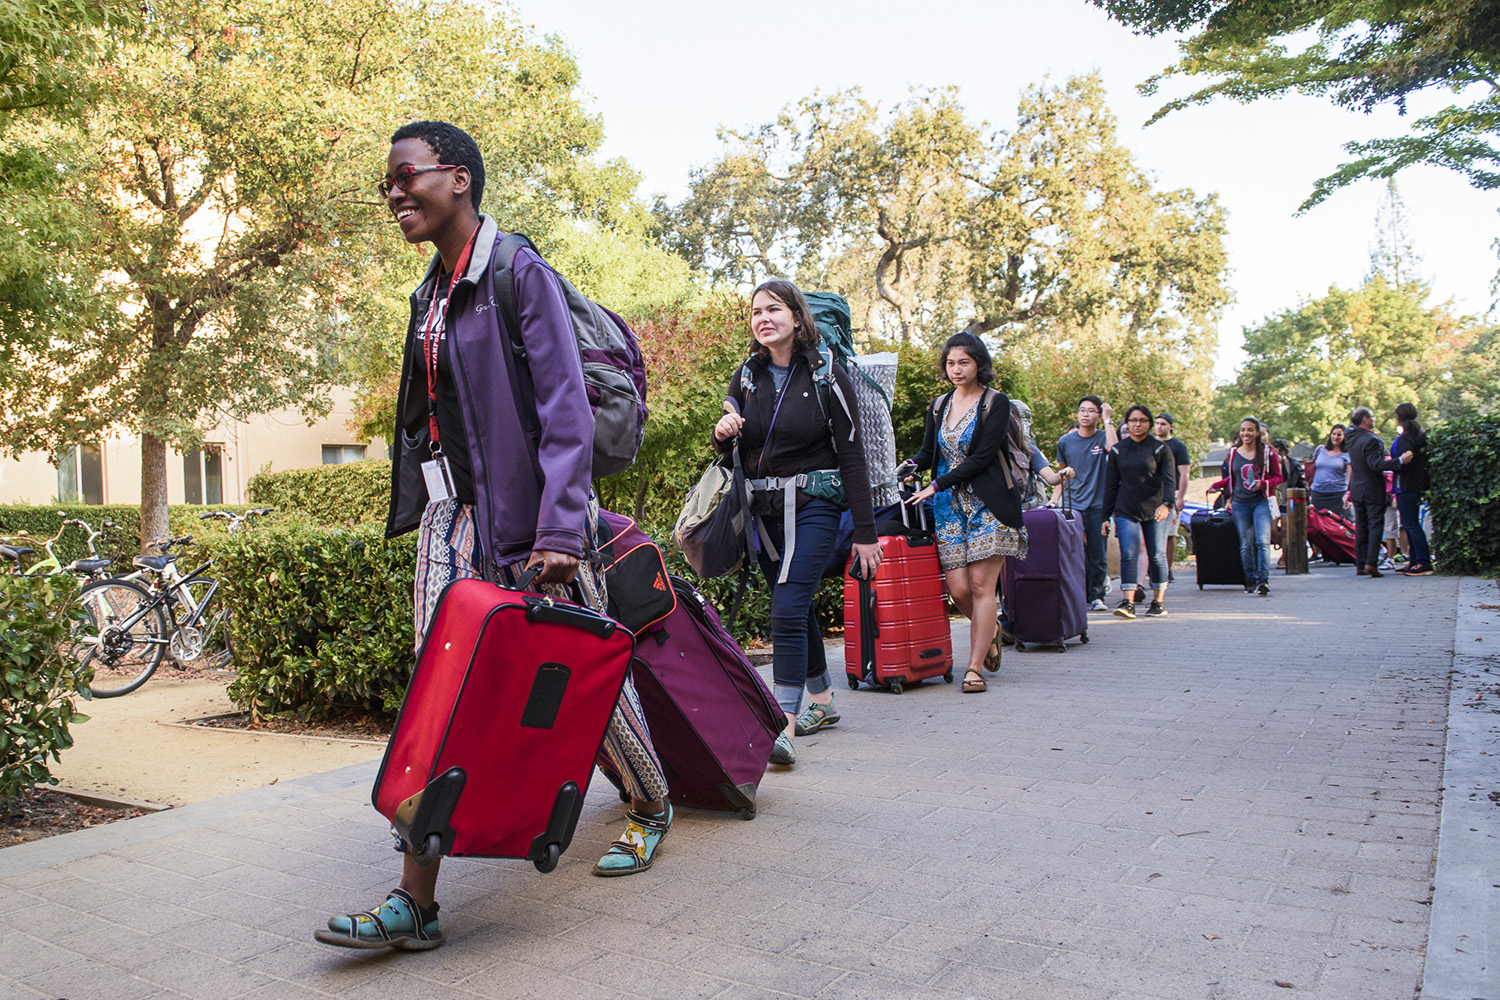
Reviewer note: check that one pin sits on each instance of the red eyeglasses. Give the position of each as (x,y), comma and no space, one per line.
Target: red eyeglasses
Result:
(404,176)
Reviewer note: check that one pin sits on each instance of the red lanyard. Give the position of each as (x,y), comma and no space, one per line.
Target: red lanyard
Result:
(432,335)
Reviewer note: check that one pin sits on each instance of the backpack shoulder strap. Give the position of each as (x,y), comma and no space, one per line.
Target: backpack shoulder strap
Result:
(503,263)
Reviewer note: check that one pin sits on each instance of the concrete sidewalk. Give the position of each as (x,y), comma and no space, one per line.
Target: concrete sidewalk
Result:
(1239,800)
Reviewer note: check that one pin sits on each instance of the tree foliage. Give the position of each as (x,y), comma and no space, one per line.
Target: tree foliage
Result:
(929,222)
(236,257)
(1360,54)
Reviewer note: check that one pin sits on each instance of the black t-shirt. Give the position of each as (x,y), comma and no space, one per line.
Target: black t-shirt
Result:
(1179,456)
(451,434)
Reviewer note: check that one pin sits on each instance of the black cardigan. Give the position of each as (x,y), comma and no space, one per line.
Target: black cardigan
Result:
(800,440)
(1140,476)
(981,468)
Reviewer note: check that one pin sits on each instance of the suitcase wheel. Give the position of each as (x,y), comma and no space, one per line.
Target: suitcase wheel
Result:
(1020,646)
(1062,647)
(624,795)
(1200,586)
(948,677)
(430,850)
(897,687)
(747,814)
(853,682)
(548,861)
(1084,637)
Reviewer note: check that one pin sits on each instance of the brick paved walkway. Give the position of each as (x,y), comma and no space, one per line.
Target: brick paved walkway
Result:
(1240,800)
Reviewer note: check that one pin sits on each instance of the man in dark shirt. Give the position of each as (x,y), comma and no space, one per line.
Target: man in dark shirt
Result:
(1368,464)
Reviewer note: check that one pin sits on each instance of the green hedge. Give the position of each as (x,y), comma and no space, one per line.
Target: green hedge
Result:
(1465,495)
(332,494)
(42,522)
(37,687)
(322,617)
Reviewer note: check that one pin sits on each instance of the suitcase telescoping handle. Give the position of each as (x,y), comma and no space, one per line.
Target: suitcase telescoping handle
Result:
(907,470)
(545,609)
(869,630)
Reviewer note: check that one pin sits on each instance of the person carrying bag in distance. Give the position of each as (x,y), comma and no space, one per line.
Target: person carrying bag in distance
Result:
(805,461)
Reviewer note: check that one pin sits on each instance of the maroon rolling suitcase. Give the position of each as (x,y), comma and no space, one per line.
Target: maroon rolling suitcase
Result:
(1331,535)
(711,717)
(507,707)
(1045,593)
(896,629)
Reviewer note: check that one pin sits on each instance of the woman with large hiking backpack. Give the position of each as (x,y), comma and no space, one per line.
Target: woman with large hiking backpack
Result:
(805,462)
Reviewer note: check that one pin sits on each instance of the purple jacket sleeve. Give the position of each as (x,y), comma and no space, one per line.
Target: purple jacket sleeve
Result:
(565,448)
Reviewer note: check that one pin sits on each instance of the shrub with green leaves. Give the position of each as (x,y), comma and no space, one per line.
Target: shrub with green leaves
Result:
(332,494)
(41,522)
(322,617)
(37,686)
(1465,495)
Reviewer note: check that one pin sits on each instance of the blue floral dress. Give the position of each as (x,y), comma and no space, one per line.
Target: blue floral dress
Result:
(966,530)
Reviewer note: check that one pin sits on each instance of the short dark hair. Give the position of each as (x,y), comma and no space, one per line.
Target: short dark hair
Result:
(974,348)
(1358,416)
(1164,415)
(1328,441)
(1144,409)
(450,144)
(1098,403)
(791,296)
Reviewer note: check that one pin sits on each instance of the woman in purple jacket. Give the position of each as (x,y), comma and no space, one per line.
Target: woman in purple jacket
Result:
(491,465)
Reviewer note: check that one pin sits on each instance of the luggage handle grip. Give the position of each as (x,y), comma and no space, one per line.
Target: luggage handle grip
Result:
(544,609)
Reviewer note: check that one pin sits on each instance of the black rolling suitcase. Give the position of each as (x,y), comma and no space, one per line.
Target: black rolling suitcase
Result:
(1216,548)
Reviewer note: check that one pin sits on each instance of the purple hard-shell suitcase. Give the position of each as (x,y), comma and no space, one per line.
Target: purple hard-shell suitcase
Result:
(1045,593)
(712,718)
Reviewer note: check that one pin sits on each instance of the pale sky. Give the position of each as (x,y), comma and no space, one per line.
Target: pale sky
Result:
(665,75)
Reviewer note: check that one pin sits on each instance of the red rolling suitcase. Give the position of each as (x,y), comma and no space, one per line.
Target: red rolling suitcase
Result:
(712,719)
(1331,535)
(896,628)
(495,744)
(1045,592)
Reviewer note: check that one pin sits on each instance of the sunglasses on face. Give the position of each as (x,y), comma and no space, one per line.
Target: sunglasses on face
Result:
(404,175)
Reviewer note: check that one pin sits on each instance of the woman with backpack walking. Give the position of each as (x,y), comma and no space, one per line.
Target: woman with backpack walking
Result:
(1411,483)
(803,454)
(1140,487)
(976,503)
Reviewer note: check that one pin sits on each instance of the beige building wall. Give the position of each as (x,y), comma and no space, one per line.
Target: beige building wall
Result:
(271,442)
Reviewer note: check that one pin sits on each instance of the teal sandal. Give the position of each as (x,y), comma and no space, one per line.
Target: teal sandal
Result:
(815,717)
(635,851)
(396,923)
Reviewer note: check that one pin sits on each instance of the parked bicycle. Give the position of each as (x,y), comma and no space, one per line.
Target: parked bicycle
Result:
(85,568)
(155,611)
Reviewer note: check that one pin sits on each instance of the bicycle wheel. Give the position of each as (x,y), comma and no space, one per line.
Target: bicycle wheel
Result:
(131,640)
(205,644)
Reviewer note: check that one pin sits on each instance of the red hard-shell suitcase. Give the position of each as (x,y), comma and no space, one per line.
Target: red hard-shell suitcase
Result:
(896,629)
(1045,592)
(711,717)
(495,744)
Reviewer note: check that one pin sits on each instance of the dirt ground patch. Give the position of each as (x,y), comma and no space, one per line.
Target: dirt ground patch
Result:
(349,727)
(44,812)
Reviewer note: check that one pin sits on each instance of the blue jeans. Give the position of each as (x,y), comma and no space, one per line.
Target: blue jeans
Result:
(1095,554)
(797,659)
(1410,507)
(1131,533)
(1253,519)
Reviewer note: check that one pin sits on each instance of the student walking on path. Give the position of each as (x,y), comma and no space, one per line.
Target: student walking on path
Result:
(965,438)
(1140,485)
(482,489)
(803,452)
(1251,472)
(1083,454)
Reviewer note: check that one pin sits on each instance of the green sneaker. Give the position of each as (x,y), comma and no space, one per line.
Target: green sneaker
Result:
(782,752)
(396,923)
(636,849)
(815,717)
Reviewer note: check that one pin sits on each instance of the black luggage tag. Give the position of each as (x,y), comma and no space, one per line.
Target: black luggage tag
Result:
(546,697)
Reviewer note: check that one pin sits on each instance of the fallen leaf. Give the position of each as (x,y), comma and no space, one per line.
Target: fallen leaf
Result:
(1282,983)
(1210,937)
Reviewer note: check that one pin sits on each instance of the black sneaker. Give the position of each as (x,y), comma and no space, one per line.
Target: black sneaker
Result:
(1249,590)
(1126,609)
(1156,610)
(1264,590)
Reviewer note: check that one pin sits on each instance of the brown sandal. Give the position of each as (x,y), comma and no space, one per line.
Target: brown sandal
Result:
(992,658)
(974,686)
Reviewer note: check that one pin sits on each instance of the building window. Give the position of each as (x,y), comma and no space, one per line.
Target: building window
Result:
(338,454)
(203,475)
(80,475)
